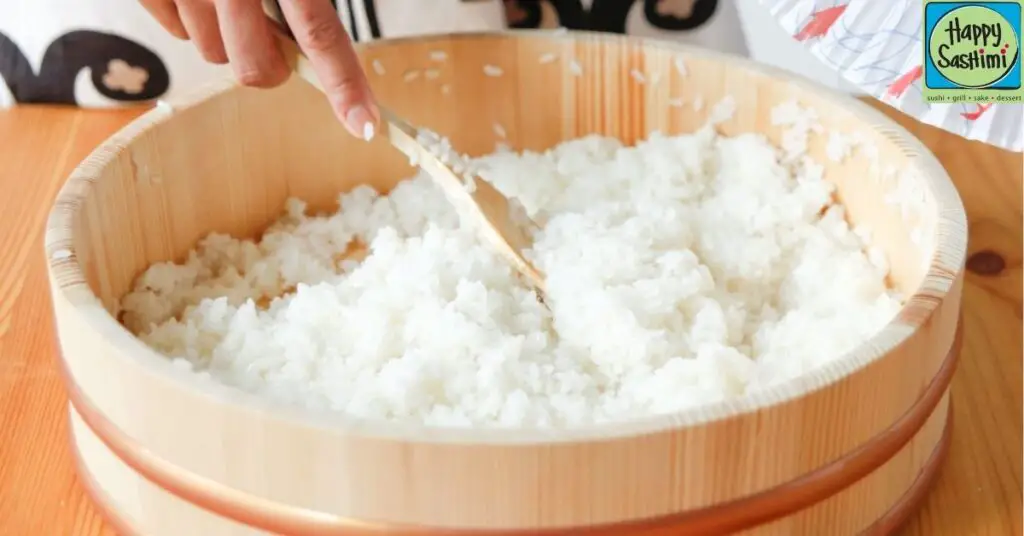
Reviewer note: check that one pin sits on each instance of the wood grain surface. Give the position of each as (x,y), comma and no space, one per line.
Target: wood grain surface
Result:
(979,491)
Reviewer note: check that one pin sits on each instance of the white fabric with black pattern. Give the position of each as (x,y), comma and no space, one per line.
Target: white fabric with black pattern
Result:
(102,53)
(93,53)
(709,23)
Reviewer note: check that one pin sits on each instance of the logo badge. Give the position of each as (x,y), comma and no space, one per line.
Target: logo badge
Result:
(972,51)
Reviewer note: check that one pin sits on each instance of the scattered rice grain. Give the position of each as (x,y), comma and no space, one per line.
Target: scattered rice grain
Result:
(838,147)
(917,236)
(723,111)
(680,66)
(410,75)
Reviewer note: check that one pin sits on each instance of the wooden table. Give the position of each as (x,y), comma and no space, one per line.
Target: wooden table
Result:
(978,492)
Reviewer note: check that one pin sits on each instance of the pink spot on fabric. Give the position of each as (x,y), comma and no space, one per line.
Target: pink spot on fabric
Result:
(820,23)
(900,85)
(973,116)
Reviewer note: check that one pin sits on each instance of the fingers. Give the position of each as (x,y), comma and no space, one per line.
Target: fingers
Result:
(166,13)
(251,44)
(238,30)
(322,37)
(199,18)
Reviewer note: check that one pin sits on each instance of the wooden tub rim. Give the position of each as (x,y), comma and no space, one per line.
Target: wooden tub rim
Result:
(949,235)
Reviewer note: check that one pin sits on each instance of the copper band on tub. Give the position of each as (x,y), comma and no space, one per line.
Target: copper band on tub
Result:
(888,523)
(723,518)
(103,501)
(900,512)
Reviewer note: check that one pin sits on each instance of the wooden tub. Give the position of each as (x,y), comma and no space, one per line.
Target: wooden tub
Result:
(849,449)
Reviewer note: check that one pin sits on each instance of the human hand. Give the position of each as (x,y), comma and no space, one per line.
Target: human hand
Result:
(240,33)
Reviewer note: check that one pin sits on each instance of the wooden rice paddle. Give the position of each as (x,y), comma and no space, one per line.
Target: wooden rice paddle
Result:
(488,209)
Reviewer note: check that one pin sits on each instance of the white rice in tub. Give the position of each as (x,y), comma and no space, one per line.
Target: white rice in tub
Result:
(682,271)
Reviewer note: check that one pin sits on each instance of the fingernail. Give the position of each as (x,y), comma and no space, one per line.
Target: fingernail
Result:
(360,123)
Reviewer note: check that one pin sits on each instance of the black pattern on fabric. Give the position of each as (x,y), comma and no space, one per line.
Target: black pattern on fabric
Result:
(611,15)
(120,69)
(371,18)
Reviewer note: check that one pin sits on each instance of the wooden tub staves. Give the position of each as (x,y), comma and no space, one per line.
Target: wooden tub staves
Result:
(846,450)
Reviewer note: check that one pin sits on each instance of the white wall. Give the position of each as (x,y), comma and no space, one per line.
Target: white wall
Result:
(768,43)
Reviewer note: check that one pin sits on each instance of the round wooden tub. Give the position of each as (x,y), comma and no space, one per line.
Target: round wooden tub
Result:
(848,449)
